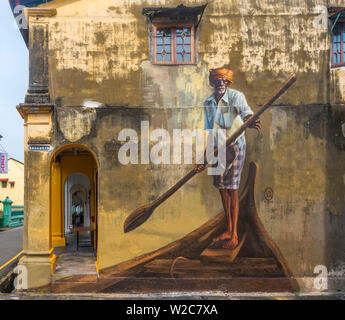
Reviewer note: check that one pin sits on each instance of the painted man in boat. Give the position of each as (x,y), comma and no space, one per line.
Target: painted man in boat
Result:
(227,109)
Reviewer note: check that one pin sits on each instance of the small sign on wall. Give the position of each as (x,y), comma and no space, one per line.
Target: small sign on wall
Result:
(3,162)
(40,147)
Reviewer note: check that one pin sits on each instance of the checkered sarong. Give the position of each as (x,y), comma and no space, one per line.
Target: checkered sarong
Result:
(230,179)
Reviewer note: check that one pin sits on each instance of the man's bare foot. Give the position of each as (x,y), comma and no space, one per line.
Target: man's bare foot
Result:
(231,244)
(223,236)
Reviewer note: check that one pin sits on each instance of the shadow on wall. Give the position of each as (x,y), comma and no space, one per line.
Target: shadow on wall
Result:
(335,188)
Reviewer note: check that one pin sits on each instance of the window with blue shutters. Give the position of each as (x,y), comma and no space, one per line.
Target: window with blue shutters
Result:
(173,45)
(338,47)
(337,23)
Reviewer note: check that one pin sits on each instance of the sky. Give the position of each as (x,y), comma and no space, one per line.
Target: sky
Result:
(14,79)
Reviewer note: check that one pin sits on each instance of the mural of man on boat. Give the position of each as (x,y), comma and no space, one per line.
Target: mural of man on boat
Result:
(227,109)
(231,251)
(167,225)
(234,243)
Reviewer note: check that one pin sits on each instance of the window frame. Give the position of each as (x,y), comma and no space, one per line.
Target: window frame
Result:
(339,24)
(173,26)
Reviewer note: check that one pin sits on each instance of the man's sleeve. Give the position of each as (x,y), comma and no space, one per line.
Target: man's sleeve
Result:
(243,106)
(207,125)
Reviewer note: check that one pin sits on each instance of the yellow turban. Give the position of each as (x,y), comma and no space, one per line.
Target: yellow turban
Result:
(221,73)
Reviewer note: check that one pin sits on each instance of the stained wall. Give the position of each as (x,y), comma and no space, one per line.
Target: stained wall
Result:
(100,51)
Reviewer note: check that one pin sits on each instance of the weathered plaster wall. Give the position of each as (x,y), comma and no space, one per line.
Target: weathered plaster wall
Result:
(337,85)
(37,257)
(99,50)
(302,165)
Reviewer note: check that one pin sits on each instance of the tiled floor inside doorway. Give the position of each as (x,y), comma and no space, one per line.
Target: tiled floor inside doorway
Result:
(73,259)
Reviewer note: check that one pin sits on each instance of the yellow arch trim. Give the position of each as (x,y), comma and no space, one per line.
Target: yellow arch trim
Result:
(69,146)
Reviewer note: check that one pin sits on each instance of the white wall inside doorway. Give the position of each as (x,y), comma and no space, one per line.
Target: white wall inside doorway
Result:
(80,184)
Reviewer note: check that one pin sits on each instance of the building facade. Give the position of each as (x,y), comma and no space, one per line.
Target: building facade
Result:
(12,182)
(98,67)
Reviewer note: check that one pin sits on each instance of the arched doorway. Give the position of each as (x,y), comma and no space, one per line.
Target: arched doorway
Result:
(73,195)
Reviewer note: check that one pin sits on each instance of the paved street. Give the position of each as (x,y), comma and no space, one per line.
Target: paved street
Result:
(10,245)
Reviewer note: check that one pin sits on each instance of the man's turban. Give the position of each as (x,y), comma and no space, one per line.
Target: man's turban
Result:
(221,73)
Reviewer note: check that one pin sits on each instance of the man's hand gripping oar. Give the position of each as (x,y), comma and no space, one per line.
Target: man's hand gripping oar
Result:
(255,125)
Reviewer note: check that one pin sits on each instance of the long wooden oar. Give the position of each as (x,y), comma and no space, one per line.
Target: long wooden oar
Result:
(140,215)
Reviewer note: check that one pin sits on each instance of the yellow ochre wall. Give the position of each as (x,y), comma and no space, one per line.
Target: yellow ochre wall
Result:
(99,51)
